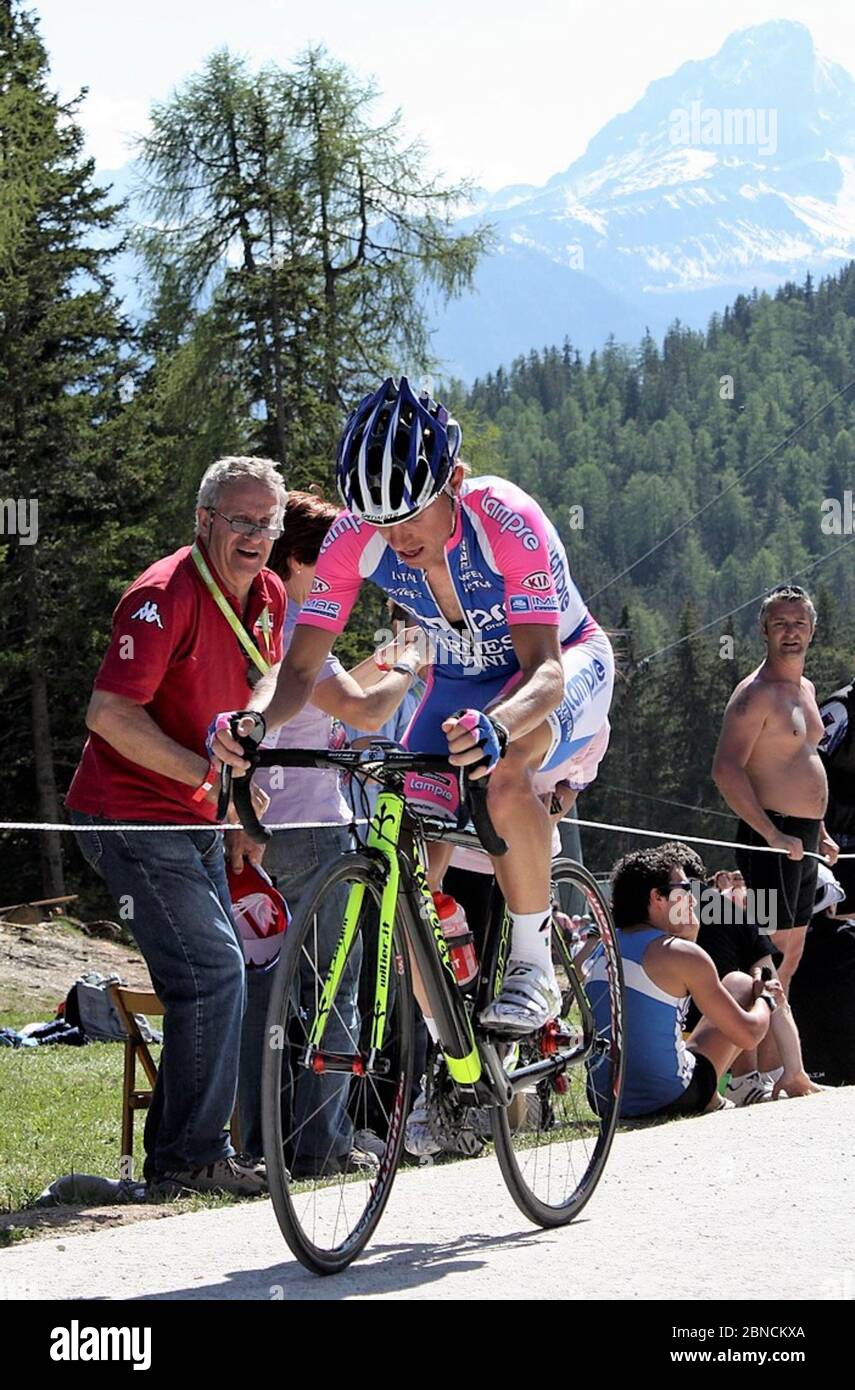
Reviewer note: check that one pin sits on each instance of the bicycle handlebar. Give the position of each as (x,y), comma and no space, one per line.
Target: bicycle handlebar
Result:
(473,795)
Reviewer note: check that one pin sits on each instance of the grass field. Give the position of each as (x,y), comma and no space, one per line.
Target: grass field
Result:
(60,1112)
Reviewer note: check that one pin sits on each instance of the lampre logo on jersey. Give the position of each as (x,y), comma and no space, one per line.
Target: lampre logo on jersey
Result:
(319,586)
(148,614)
(511,521)
(345,522)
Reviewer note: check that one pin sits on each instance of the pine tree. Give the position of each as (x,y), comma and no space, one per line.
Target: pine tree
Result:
(61,457)
(307,232)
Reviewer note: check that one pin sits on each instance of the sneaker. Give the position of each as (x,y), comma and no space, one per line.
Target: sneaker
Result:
(529,999)
(224,1175)
(357,1161)
(751,1089)
(258,1165)
(418,1139)
(367,1142)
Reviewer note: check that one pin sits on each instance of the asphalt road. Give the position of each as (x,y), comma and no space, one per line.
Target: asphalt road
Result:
(757,1203)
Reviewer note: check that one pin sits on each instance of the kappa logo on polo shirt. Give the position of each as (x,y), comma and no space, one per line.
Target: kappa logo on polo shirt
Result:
(148,614)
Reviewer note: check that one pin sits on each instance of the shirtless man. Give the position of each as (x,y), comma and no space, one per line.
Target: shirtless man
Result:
(768,770)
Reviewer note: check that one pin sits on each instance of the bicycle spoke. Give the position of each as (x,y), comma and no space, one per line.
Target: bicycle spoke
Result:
(554,1157)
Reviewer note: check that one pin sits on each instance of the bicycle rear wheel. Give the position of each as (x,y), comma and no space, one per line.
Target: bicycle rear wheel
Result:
(553,1141)
(317,1095)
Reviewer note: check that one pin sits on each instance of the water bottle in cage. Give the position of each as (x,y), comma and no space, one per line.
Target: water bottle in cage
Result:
(461,944)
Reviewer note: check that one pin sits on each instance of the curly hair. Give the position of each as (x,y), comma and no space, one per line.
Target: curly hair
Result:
(637,875)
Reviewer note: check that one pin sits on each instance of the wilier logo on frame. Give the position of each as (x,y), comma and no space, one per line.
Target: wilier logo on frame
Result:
(19,516)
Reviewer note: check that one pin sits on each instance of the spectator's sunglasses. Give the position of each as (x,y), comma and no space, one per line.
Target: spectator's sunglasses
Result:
(249,528)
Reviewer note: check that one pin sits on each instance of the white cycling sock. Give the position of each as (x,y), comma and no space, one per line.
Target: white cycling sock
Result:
(531,936)
(432,1028)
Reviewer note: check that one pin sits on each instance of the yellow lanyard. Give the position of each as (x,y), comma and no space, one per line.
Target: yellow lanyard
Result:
(231,617)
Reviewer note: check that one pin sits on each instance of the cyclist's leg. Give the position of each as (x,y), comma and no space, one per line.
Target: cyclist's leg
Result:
(431,792)
(519,815)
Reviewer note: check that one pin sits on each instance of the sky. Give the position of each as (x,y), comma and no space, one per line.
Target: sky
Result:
(502,91)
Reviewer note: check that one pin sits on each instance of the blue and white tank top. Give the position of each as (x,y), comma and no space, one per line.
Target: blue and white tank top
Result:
(659,1066)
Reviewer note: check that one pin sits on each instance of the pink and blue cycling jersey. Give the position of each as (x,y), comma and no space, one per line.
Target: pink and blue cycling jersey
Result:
(506,563)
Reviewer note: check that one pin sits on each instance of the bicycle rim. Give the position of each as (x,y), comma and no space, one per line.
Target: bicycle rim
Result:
(315,1099)
(553,1141)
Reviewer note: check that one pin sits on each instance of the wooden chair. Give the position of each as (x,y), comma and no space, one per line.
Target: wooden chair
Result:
(129,1002)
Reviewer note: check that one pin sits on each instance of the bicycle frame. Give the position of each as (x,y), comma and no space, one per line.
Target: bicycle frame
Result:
(406,894)
(474,1064)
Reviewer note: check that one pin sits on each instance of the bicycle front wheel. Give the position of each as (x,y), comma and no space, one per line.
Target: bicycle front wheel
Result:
(333,1103)
(553,1141)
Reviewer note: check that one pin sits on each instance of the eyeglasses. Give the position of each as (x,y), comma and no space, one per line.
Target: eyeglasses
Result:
(683,885)
(249,528)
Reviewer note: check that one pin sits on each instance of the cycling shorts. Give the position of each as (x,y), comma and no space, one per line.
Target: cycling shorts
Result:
(579,727)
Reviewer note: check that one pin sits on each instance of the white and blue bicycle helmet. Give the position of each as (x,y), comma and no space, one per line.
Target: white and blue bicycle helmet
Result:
(396,454)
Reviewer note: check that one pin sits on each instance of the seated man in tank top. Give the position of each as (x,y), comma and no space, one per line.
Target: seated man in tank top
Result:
(654,912)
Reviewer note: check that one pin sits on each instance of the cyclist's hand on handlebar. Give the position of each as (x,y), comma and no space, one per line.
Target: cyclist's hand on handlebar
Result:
(221,743)
(475,740)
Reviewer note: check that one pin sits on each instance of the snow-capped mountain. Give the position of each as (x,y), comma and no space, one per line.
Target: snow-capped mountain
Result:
(734,172)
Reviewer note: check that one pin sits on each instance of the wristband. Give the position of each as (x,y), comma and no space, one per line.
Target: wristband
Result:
(205,786)
(403,669)
(768,1001)
(502,732)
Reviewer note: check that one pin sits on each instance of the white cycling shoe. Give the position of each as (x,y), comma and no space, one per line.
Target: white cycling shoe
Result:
(529,998)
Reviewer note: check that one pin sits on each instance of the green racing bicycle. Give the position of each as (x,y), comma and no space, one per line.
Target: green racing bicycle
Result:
(533,1099)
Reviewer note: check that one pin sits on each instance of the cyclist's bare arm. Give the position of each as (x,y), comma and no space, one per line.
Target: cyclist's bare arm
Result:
(309,649)
(541,688)
(537,694)
(128,728)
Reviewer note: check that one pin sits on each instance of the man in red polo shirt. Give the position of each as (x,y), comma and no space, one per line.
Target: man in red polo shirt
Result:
(193,635)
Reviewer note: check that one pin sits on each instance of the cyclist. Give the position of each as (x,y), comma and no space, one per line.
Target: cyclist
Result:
(522,674)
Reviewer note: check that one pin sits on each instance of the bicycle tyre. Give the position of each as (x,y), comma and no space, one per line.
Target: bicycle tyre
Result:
(515,1147)
(299,1204)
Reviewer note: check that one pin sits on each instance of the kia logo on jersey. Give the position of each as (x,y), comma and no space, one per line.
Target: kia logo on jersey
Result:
(538,581)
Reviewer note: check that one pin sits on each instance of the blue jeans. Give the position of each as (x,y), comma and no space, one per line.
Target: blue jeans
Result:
(318,1117)
(175,885)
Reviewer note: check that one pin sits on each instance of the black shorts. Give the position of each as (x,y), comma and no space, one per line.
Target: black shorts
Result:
(791,882)
(698,1093)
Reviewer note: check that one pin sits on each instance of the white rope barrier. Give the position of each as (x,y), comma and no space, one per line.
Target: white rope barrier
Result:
(700,840)
(323,825)
(200,825)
